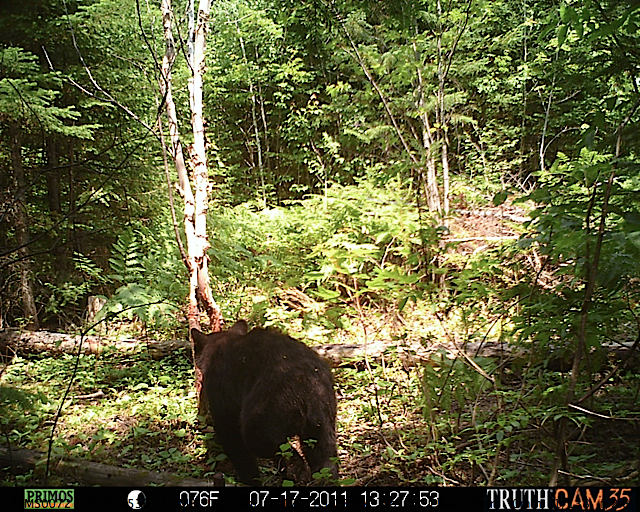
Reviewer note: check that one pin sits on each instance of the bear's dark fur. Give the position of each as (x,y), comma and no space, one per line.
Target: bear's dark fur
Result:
(264,387)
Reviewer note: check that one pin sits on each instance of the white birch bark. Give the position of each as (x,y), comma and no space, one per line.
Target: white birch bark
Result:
(200,169)
(195,204)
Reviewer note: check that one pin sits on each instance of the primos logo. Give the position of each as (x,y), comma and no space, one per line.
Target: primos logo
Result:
(48,498)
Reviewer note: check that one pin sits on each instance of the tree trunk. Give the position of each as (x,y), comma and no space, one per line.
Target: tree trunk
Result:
(22,228)
(27,343)
(195,205)
(265,127)
(431,191)
(60,259)
(32,342)
(53,175)
(446,181)
(198,251)
(178,156)
(440,115)
(72,234)
(254,117)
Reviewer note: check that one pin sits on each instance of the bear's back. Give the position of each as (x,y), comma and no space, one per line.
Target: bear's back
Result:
(264,352)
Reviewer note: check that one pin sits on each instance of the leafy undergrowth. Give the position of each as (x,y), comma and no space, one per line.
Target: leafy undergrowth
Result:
(147,418)
(442,421)
(388,434)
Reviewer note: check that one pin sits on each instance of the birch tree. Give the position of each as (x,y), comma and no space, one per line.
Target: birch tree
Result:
(195,203)
(195,199)
(199,278)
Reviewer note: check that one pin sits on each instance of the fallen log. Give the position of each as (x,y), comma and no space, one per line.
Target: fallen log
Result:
(514,215)
(32,342)
(91,473)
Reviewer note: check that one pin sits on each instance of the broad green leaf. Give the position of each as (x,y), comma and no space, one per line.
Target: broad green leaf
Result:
(500,198)
(326,294)
(562,35)
(634,238)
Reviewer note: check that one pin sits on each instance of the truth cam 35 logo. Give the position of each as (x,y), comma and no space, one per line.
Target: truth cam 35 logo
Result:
(613,499)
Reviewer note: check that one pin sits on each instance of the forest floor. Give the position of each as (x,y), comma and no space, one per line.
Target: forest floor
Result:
(146,418)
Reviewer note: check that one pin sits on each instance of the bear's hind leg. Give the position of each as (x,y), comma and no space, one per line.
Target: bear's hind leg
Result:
(319,452)
(243,461)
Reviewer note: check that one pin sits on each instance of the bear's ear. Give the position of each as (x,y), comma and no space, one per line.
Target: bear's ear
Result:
(240,328)
(199,340)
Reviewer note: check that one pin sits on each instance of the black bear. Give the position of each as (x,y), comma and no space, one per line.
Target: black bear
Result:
(262,388)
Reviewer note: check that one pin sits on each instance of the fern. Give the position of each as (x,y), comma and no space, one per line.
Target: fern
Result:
(146,263)
(142,302)
(89,268)
(126,261)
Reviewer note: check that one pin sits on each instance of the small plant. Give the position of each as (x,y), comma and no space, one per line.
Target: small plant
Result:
(150,272)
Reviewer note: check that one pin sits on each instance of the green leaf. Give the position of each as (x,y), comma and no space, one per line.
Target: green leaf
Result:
(562,35)
(500,198)
(634,238)
(599,120)
(632,218)
(323,293)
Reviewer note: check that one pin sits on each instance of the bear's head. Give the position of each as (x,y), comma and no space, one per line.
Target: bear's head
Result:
(207,344)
